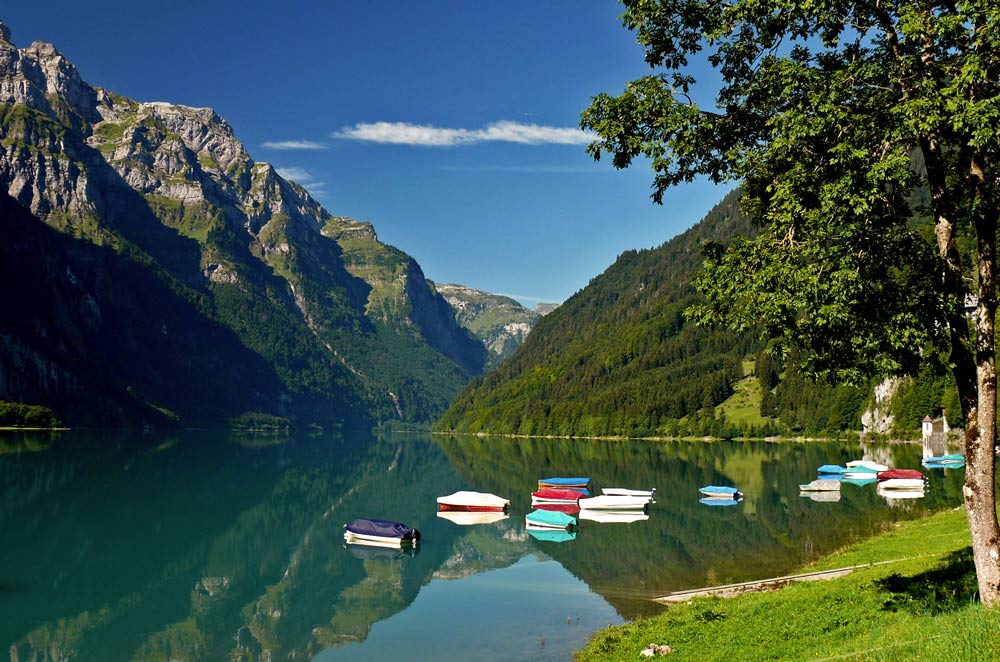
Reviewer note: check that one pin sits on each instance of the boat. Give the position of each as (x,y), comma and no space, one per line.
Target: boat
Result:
(553,495)
(832,469)
(473,501)
(899,473)
(866,464)
(901,479)
(470,517)
(720,491)
(620,491)
(380,532)
(614,516)
(549,519)
(950,458)
(579,483)
(609,502)
(720,501)
(821,485)
(552,535)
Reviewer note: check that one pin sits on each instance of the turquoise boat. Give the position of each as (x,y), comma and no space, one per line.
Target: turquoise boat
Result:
(549,519)
(831,469)
(951,458)
(720,491)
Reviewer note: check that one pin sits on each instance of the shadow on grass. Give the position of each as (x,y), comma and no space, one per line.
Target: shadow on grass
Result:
(949,587)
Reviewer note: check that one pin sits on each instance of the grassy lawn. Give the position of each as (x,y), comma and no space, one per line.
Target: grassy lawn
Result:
(914,600)
(743,406)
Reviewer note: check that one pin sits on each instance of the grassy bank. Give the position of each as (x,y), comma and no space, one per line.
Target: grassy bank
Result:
(918,603)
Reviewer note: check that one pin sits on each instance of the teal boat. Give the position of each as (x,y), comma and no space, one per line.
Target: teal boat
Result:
(951,458)
(549,519)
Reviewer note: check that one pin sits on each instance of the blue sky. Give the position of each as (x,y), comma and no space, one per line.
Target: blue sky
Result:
(451,126)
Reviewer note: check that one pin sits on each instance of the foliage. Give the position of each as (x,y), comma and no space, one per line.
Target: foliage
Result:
(18,415)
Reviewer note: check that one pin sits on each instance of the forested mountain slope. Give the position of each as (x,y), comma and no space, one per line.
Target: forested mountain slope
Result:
(164,275)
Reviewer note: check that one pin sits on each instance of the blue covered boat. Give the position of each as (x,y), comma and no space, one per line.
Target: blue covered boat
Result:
(720,491)
(575,483)
(380,532)
(549,519)
(832,469)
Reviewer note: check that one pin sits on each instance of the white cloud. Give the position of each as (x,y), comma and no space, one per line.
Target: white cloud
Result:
(402,133)
(294,144)
(300,175)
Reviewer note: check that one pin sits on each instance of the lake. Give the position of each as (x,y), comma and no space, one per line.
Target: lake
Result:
(223,546)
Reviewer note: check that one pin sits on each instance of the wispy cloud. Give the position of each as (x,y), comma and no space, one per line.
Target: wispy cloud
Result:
(402,133)
(294,144)
(302,177)
(526,297)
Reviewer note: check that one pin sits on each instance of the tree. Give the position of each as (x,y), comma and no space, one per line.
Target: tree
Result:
(833,115)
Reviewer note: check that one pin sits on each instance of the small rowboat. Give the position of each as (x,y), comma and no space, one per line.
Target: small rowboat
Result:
(547,519)
(553,495)
(473,501)
(621,491)
(608,502)
(579,483)
(900,473)
(951,458)
(901,479)
(833,469)
(468,518)
(380,532)
(821,485)
(720,491)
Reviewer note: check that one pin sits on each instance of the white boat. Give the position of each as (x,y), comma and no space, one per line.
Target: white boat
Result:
(614,516)
(901,484)
(821,485)
(473,501)
(621,491)
(468,517)
(608,502)
(866,464)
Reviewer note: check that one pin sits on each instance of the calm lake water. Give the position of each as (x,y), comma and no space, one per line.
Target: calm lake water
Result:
(215,546)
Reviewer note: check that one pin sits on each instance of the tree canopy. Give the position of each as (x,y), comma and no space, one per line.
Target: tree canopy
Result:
(833,116)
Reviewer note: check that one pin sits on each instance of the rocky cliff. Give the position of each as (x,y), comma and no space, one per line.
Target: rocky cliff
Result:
(167,194)
(500,322)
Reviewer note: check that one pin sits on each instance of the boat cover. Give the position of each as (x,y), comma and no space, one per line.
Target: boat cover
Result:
(831,469)
(899,473)
(564,482)
(383,528)
(568,508)
(716,490)
(550,518)
(553,494)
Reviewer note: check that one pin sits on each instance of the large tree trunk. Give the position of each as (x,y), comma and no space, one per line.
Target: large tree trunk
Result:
(980,437)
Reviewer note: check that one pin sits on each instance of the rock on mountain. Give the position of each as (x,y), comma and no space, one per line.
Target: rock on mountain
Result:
(500,322)
(166,274)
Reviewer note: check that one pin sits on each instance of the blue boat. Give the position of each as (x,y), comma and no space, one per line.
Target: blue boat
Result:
(720,491)
(549,519)
(380,532)
(832,469)
(578,483)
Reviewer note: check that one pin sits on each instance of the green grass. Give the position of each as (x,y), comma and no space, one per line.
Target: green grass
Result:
(743,406)
(917,603)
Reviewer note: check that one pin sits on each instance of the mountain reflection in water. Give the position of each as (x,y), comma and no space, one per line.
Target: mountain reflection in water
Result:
(210,546)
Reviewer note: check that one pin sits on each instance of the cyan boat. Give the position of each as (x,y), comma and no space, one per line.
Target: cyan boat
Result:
(549,519)
(951,458)
(833,469)
(720,491)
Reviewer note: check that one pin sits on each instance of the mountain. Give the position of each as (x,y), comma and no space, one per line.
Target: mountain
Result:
(163,275)
(500,322)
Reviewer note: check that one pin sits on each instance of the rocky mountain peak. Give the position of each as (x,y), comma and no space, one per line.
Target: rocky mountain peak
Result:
(4,33)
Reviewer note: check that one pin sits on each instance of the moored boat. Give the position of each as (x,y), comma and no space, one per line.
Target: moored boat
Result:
(553,495)
(549,519)
(473,501)
(620,491)
(609,502)
(831,469)
(380,532)
(901,484)
(578,483)
(720,491)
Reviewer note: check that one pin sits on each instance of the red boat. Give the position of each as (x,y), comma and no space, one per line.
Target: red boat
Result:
(553,495)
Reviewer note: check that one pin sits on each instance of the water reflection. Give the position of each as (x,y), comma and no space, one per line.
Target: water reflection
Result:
(206,546)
